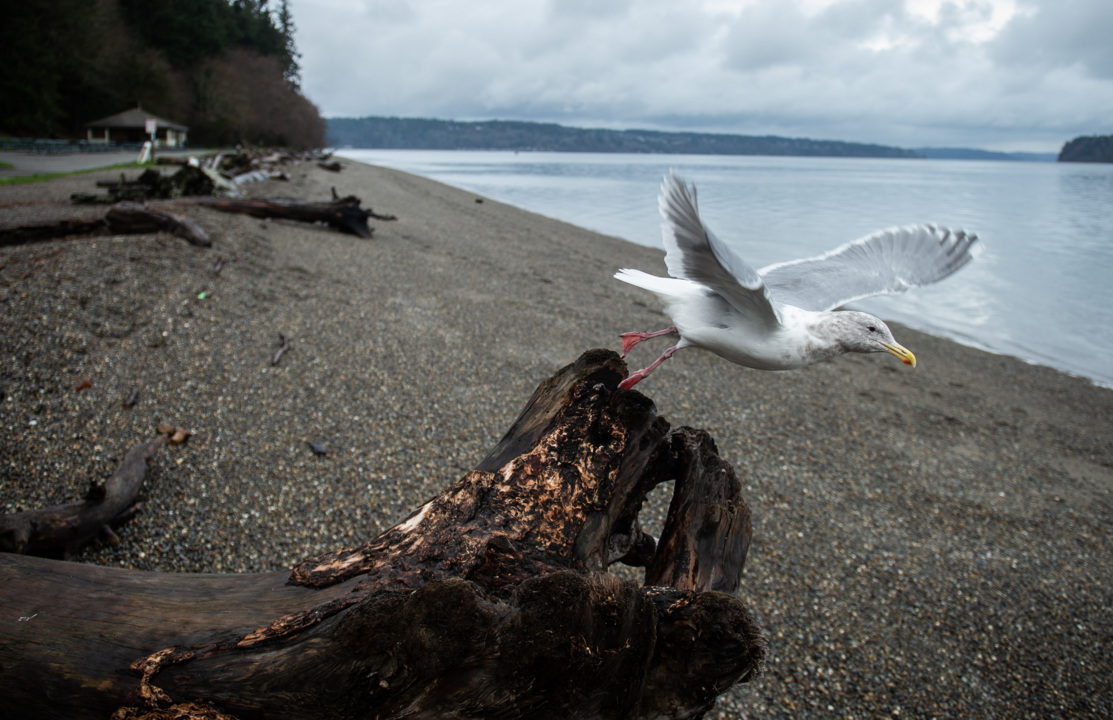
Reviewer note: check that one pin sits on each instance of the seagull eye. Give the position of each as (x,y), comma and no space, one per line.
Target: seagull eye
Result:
(871,328)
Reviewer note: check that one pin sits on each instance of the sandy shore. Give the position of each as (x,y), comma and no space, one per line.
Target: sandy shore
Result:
(928,543)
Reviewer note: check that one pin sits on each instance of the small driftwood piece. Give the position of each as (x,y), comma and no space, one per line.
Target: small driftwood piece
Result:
(283,346)
(123,218)
(128,218)
(344,214)
(62,530)
(491,600)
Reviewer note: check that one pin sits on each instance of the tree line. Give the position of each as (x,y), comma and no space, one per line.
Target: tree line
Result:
(226,68)
(420,133)
(1088,148)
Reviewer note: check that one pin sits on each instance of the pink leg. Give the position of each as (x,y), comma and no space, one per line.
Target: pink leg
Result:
(630,339)
(640,375)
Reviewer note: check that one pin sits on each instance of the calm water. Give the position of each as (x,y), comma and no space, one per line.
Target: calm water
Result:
(1040,287)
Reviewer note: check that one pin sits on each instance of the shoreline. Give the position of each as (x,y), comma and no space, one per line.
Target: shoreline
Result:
(1064,350)
(929,539)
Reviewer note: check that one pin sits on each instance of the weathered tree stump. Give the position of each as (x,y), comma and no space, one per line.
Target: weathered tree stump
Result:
(490,600)
(344,214)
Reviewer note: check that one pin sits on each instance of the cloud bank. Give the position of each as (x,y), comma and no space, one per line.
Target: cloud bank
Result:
(995,74)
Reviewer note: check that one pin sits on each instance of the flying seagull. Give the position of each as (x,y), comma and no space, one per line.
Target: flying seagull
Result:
(782,316)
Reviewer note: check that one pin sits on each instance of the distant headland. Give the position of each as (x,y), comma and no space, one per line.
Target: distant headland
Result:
(428,134)
(1093,148)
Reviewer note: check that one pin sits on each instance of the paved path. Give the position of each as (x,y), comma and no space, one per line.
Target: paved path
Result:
(36,164)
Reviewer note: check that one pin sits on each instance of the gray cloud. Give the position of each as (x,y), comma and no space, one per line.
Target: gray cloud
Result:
(972,73)
(1061,35)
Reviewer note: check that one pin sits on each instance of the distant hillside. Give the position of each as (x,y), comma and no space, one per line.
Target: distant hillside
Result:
(1094,148)
(973,154)
(422,134)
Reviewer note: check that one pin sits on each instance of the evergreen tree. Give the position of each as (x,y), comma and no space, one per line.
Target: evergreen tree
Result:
(291,66)
(227,68)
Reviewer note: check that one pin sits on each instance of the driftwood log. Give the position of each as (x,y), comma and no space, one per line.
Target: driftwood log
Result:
(344,214)
(50,230)
(62,530)
(151,184)
(123,218)
(491,600)
(128,218)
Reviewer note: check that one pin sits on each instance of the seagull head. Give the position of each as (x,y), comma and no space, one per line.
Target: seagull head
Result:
(865,333)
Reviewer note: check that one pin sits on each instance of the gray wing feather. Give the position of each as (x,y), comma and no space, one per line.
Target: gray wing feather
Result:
(692,252)
(884,263)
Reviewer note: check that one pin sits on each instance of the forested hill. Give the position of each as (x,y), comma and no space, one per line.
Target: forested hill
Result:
(228,69)
(937,153)
(418,134)
(1094,148)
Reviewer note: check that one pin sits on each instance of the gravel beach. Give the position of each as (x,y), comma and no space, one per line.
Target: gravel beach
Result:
(928,543)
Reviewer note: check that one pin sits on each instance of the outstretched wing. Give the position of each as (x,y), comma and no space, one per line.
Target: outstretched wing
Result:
(884,263)
(693,253)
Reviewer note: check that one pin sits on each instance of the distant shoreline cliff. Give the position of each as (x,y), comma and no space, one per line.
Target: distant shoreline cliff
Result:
(428,134)
(1093,148)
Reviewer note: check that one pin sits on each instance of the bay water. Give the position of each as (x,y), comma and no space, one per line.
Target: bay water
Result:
(1040,287)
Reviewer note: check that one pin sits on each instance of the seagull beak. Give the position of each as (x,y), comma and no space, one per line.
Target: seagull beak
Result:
(902,352)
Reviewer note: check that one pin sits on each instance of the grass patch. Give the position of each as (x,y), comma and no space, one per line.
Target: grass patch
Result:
(47,177)
(5,165)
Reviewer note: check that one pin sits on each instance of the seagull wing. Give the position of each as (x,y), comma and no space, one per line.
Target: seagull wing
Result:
(884,263)
(692,252)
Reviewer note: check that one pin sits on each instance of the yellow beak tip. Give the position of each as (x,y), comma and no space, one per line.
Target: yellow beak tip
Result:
(903,353)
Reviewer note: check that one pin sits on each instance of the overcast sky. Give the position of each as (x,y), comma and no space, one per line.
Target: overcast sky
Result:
(994,74)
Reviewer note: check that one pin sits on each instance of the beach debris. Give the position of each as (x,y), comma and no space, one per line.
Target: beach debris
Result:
(123,218)
(283,346)
(50,230)
(251,176)
(82,384)
(378,216)
(333,166)
(132,398)
(62,530)
(151,184)
(318,449)
(344,214)
(221,260)
(174,435)
(220,174)
(129,218)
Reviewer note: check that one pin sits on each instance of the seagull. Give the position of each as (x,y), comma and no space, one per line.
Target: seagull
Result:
(783,316)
